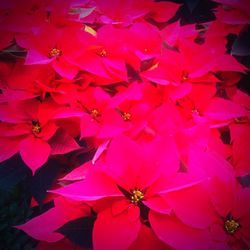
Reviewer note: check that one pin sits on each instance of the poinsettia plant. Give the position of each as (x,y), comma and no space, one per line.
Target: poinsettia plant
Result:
(131,119)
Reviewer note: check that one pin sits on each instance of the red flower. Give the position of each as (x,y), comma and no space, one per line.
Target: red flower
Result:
(133,185)
(233,218)
(104,57)
(52,45)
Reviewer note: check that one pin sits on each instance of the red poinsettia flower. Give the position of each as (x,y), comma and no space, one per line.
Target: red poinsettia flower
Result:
(233,218)
(129,194)
(104,57)
(25,129)
(52,45)
(27,82)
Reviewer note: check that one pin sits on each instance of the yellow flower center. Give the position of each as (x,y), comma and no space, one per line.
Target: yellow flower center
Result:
(126,116)
(36,128)
(136,196)
(95,113)
(102,53)
(195,111)
(231,226)
(184,76)
(55,53)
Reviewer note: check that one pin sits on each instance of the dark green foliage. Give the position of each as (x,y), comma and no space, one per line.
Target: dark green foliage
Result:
(15,199)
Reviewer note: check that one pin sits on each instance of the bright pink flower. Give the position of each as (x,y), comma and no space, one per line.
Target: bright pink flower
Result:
(219,109)
(29,130)
(143,40)
(201,105)
(201,214)
(130,193)
(178,235)
(103,57)
(182,67)
(52,45)
(27,82)
(192,63)
(26,127)
(98,117)
(233,218)
(174,33)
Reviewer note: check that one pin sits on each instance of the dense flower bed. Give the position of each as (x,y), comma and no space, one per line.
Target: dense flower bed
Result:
(143,110)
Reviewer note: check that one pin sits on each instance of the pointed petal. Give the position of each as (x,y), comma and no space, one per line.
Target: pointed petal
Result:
(100,150)
(120,164)
(221,109)
(192,206)
(96,186)
(9,147)
(147,240)
(78,173)
(88,126)
(163,11)
(120,206)
(65,69)
(114,232)
(158,204)
(36,57)
(62,143)
(176,234)
(48,131)
(43,226)
(34,152)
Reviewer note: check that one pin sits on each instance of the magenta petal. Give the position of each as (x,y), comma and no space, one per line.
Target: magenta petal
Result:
(16,95)
(176,234)
(222,109)
(147,240)
(78,173)
(34,152)
(65,69)
(164,11)
(119,206)
(218,233)
(9,147)
(62,143)
(48,131)
(192,206)
(92,63)
(43,226)
(158,204)
(114,232)
(120,164)
(89,127)
(96,186)
(102,147)
(133,212)
(112,124)
(36,57)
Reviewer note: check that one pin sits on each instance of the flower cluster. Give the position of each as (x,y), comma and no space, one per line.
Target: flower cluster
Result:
(157,101)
